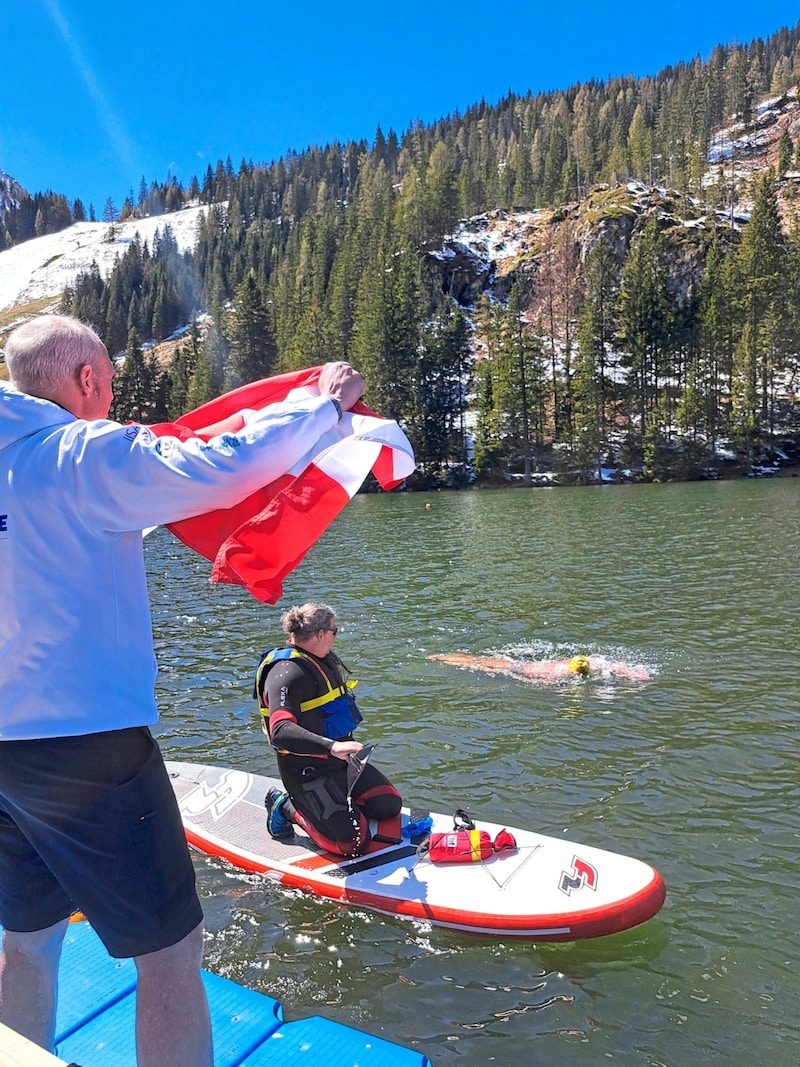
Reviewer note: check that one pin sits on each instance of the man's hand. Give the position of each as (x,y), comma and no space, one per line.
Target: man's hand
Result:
(340,382)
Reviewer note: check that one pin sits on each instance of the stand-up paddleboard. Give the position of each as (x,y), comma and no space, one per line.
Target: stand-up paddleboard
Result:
(545,889)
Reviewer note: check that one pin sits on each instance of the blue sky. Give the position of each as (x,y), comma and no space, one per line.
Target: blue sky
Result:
(94,95)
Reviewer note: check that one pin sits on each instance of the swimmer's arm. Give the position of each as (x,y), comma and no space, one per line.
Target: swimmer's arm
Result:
(636,674)
(600,665)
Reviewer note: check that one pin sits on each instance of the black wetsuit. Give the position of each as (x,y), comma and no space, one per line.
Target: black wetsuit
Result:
(316,781)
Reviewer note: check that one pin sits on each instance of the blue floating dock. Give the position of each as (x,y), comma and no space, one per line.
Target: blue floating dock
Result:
(95,1021)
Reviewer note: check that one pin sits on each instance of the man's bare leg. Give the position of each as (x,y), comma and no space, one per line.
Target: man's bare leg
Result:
(172,1020)
(29,982)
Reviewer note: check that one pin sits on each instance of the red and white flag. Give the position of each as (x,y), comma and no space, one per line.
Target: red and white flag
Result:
(263,538)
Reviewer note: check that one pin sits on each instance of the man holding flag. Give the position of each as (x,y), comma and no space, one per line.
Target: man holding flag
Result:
(88,818)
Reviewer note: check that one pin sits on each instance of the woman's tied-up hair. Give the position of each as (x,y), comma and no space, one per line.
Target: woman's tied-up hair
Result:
(304,621)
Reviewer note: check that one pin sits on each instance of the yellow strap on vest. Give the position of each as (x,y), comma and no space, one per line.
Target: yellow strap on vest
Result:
(306,705)
(333,691)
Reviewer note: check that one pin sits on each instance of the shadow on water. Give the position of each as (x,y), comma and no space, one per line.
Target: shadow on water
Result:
(694,772)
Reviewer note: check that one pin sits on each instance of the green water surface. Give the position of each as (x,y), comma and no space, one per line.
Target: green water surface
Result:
(695,772)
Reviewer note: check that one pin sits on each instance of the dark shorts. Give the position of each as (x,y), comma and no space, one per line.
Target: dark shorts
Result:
(92,823)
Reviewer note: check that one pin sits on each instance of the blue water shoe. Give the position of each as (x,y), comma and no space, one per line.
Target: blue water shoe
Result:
(280,828)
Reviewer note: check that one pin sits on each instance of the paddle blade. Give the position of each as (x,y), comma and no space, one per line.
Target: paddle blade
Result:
(356,762)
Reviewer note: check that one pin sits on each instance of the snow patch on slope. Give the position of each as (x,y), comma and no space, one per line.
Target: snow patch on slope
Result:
(44,266)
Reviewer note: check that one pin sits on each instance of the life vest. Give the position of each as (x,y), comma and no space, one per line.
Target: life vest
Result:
(337,705)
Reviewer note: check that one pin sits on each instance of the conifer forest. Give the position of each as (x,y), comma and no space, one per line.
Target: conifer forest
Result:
(651,325)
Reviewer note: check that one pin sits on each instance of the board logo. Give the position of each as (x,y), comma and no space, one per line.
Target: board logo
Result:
(217,799)
(582,874)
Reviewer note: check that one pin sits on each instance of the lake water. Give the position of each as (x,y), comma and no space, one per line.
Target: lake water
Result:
(696,772)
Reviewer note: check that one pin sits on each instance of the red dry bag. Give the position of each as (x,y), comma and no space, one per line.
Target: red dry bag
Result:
(460,846)
(467,845)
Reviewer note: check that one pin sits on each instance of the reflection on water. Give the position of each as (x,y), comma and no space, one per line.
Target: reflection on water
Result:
(694,772)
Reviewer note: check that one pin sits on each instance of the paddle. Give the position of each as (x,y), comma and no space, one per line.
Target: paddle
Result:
(356,762)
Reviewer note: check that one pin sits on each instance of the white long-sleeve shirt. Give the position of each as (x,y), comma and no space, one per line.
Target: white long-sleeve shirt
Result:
(76,647)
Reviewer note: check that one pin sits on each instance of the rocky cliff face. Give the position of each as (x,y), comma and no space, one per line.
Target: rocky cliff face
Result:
(486,254)
(11,192)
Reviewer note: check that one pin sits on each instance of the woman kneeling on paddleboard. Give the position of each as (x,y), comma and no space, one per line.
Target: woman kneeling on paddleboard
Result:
(309,715)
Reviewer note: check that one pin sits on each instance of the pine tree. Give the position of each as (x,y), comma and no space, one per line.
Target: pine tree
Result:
(208,377)
(202,387)
(490,438)
(386,310)
(644,321)
(716,343)
(556,309)
(511,381)
(249,334)
(592,388)
(385,327)
(785,152)
(440,383)
(760,270)
(522,354)
(134,387)
(640,146)
(182,368)
(440,193)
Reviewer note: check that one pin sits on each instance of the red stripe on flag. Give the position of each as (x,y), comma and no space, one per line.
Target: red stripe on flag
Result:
(383,469)
(260,540)
(208,533)
(262,551)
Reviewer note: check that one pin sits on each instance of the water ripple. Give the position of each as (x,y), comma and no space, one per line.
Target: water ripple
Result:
(695,772)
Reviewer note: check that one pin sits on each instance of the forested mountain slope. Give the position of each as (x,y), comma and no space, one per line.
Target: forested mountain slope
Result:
(593,275)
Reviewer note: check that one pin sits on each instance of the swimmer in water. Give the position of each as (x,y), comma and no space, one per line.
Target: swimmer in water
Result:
(547,670)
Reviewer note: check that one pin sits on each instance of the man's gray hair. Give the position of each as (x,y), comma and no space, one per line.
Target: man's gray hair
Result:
(44,353)
(304,621)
